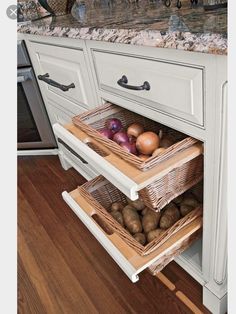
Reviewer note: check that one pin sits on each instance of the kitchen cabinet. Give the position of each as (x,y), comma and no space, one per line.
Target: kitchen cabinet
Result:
(162,76)
(58,67)
(188,93)
(65,64)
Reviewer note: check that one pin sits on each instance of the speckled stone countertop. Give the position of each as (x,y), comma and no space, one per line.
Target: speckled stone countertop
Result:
(190,28)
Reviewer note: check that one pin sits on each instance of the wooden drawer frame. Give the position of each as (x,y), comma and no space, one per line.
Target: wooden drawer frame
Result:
(124,176)
(127,259)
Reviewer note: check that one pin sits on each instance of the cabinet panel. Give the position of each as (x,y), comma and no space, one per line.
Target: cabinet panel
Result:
(63,66)
(176,89)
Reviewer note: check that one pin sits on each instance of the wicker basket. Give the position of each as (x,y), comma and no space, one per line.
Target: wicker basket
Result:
(94,119)
(179,248)
(176,182)
(100,193)
(60,7)
(164,189)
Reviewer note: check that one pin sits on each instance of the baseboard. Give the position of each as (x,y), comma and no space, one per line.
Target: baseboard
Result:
(213,303)
(37,152)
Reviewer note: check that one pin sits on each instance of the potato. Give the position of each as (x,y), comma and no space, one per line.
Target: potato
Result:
(118,217)
(190,201)
(197,191)
(117,206)
(178,199)
(154,234)
(150,220)
(140,237)
(130,207)
(185,209)
(144,211)
(169,217)
(158,151)
(138,204)
(143,157)
(166,142)
(132,220)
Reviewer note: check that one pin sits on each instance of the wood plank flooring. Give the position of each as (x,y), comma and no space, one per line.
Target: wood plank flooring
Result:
(61,266)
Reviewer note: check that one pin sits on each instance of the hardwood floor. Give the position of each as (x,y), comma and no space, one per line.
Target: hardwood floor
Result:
(61,266)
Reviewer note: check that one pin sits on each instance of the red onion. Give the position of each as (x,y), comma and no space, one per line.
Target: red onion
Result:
(130,147)
(120,137)
(114,124)
(106,133)
(132,139)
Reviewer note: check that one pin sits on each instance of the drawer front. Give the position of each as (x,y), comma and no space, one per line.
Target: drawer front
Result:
(126,258)
(58,115)
(76,161)
(65,66)
(175,89)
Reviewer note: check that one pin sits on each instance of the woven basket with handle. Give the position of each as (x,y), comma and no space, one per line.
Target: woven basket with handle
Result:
(176,181)
(100,193)
(93,120)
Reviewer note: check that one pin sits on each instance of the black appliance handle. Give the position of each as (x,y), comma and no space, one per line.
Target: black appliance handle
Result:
(123,83)
(64,88)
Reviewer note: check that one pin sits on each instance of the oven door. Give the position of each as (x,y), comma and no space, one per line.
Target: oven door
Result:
(33,126)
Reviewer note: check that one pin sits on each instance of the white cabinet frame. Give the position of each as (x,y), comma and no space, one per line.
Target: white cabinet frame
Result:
(212,275)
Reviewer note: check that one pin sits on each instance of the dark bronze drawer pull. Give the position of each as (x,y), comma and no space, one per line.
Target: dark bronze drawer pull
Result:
(64,88)
(123,83)
(72,151)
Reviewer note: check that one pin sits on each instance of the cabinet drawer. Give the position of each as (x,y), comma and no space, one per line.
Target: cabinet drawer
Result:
(175,89)
(76,161)
(63,66)
(58,114)
(130,180)
(125,256)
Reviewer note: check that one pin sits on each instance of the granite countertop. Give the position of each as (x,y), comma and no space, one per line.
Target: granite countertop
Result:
(190,28)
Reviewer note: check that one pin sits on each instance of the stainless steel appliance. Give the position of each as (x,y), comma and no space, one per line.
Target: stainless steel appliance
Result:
(214,4)
(33,127)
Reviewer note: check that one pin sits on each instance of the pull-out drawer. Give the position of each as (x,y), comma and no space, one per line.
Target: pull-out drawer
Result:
(62,74)
(75,160)
(171,88)
(125,256)
(123,175)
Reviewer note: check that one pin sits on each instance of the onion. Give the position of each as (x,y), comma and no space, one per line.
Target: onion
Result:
(132,139)
(114,124)
(120,137)
(129,147)
(160,134)
(143,157)
(158,151)
(147,142)
(135,129)
(166,142)
(106,133)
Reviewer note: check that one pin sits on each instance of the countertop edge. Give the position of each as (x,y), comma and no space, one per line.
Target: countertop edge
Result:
(195,42)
